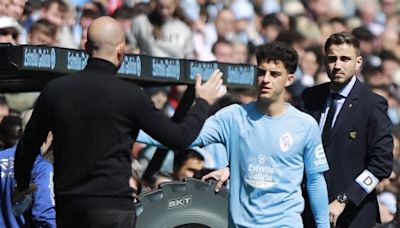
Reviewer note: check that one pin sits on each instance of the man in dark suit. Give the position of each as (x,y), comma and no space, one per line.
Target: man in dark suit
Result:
(356,136)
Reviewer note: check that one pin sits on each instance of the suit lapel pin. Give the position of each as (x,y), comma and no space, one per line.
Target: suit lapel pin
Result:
(353,135)
(350,105)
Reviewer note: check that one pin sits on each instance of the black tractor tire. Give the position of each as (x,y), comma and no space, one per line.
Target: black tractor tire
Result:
(192,203)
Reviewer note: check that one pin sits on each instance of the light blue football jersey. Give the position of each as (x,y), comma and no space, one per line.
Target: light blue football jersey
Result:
(267,157)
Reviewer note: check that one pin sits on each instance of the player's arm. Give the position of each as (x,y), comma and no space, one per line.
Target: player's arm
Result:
(214,130)
(318,196)
(315,165)
(178,136)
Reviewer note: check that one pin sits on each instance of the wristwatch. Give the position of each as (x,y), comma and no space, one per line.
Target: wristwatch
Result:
(342,198)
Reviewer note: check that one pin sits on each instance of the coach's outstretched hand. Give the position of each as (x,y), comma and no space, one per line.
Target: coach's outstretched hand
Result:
(212,89)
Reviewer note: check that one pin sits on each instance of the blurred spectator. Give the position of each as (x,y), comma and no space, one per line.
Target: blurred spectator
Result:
(308,29)
(323,10)
(54,11)
(389,41)
(15,8)
(43,32)
(159,96)
(293,7)
(294,39)
(243,13)
(368,11)
(191,9)
(223,51)
(87,16)
(88,13)
(311,64)
(338,24)
(387,207)
(222,28)
(366,38)
(372,72)
(388,10)
(393,103)
(140,8)
(41,213)
(10,131)
(124,16)
(240,52)
(271,26)
(390,64)
(3,7)
(4,108)
(163,33)
(10,30)
(187,163)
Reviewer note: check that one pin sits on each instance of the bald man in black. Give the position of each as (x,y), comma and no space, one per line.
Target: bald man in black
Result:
(95,117)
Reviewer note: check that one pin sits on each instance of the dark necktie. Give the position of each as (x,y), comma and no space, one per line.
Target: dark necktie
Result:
(326,132)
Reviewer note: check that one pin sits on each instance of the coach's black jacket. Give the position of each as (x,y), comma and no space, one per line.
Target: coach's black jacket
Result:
(95,117)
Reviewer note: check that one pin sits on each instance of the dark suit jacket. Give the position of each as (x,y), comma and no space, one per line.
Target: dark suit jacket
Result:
(360,139)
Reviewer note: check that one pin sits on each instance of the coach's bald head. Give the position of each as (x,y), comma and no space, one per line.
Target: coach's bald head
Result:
(106,40)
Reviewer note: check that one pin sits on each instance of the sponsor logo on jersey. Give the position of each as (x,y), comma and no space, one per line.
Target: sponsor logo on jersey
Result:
(320,158)
(260,174)
(7,167)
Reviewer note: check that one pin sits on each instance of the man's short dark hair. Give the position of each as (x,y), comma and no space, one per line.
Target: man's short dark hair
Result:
(182,156)
(275,51)
(290,37)
(342,38)
(363,33)
(340,20)
(62,6)
(44,26)
(271,19)
(220,41)
(8,122)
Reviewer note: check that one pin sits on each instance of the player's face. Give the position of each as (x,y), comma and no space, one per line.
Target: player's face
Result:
(342,62)
(273,78)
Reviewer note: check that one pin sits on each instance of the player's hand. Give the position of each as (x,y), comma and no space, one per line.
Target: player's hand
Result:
(221,176)
(335,210)
(212,89)
(20,194)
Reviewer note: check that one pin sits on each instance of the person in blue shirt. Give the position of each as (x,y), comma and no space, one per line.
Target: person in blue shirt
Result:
(41,213)
(270,145)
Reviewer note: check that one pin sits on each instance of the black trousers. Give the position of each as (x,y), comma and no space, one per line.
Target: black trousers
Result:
(81,215)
